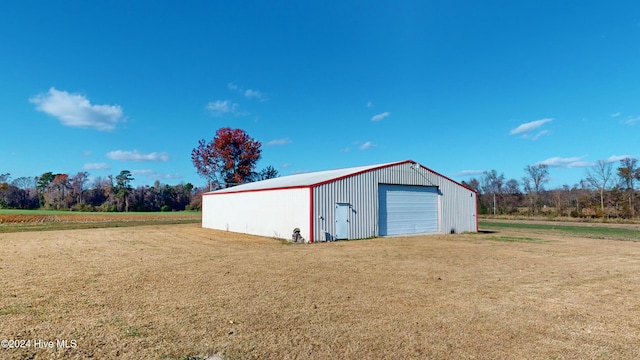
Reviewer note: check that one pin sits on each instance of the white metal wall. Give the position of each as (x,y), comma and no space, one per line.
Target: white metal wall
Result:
(457,203)
(272,213)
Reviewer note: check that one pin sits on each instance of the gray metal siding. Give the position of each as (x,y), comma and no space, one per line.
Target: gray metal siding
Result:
(457,204)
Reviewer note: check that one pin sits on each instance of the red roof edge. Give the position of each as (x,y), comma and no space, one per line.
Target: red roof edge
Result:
(448,178)
(362,172)
(256,190)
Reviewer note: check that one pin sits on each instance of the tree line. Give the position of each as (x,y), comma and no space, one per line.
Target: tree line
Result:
(75,192)
(606,190)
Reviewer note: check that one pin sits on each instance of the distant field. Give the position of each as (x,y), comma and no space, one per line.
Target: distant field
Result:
(181,292)
(630,232)
(39,220)
(95,213)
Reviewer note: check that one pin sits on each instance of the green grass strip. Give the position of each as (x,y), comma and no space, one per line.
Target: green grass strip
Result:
(517,239)
(596,232)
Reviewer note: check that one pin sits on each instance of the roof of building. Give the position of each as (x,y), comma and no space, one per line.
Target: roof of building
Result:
(304,179)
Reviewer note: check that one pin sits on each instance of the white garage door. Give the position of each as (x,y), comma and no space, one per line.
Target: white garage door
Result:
(405,209)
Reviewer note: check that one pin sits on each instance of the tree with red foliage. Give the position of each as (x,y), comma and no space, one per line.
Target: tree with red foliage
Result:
(228,160)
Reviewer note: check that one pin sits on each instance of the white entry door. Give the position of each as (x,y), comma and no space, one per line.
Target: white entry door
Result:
(342,221)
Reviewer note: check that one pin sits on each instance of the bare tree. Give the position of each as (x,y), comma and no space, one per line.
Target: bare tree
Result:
(599,176)
(78,185)
(629,173)
(24,183)
(512,196)
(535,178)
(561,198)
(473,183)
(492,184)
(27,195)
(56,192)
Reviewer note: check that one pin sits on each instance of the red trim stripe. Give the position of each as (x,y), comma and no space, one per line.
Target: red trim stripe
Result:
(360,172)
(442,176)
(256,190)
(477,226)
(311,214)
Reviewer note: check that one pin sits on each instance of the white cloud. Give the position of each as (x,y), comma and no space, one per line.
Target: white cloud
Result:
(145,172)
(366,145)
(530,126)
(76,110)
(86,153)
(369,104)
(154,174)
(536,136)
(255,94)
(616,114)
(577,161)
(286,165)
(616,158)
(250,94)
(137,156)
(380,116)
(96,166)
(346,150)
(283,141)
(631,120)
(568,162)
(470,172)
(221,107)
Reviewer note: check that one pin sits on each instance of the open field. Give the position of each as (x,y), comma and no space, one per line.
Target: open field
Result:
(605,231)
(182,292)
(38,220)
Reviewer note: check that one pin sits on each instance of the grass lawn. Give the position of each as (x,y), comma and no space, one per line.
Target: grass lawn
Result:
(592,231)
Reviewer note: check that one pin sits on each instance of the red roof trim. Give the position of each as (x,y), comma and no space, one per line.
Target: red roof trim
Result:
(311,230)
(477,226)
(361,172)
(453,181)
(257,190)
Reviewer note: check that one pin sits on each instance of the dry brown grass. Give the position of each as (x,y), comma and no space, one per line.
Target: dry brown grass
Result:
(178,291)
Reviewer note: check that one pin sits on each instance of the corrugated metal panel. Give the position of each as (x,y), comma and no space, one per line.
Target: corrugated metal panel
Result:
(273,213)
(457,203)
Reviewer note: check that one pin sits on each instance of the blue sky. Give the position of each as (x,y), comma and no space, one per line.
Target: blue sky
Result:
(458,86)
